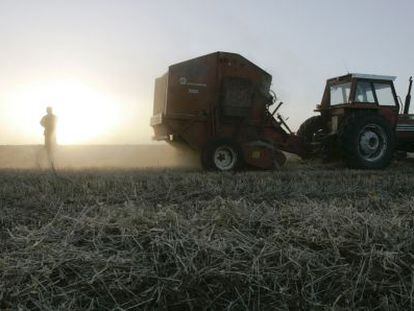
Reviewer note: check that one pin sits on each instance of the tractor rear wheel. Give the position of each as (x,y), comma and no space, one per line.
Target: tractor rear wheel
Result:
(309,131)
(367,142)
(222,155)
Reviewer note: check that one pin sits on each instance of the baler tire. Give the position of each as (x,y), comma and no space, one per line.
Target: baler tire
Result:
(229,148)
(361,134)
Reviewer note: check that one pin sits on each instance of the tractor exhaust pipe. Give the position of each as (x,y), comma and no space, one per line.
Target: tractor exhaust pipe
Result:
(408,97)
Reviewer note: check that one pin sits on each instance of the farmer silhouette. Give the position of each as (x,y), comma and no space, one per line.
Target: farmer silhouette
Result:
(49,124)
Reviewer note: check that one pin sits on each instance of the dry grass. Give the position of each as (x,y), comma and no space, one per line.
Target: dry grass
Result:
(125,240)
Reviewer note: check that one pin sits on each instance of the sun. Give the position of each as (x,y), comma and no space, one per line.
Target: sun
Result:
(84,114)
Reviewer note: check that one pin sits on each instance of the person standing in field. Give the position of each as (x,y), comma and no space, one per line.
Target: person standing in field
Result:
(49,124)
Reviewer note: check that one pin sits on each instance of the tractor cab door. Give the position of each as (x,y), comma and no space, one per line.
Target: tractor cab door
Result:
(380,93)
(387,99)
(385,95)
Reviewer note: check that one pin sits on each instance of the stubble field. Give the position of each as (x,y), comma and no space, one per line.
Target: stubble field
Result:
(301,238)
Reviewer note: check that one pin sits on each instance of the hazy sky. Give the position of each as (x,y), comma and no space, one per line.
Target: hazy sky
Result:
(81,55)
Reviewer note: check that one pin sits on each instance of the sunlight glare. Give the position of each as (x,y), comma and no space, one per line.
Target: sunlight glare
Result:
(84,114)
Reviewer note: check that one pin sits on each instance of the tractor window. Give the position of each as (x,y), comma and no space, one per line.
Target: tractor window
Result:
(384,94)
(340,93)
(364,93)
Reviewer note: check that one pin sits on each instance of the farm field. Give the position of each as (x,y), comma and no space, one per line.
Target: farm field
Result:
(305,237)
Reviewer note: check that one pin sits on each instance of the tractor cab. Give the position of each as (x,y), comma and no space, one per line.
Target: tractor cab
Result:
(359,93)
(363,94)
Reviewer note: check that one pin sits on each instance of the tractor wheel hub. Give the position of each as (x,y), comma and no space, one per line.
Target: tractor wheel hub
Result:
(372,142)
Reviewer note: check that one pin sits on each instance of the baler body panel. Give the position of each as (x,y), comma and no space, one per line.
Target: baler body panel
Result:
(192,89)
(160,94)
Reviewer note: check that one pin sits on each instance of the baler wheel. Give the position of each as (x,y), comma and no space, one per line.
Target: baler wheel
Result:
(367,142)
(222,155)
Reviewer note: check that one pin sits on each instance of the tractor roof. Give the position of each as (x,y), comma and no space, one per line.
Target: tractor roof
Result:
(372,77)
(349,76)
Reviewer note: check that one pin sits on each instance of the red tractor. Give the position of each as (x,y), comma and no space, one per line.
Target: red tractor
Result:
(219,105)
(359,121)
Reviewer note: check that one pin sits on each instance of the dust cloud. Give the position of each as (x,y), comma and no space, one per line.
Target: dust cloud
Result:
(99,156)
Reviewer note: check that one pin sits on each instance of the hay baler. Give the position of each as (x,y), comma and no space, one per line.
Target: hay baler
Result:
(218,105)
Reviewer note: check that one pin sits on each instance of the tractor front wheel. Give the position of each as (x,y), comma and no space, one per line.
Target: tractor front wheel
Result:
(310,131)
(367,142)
